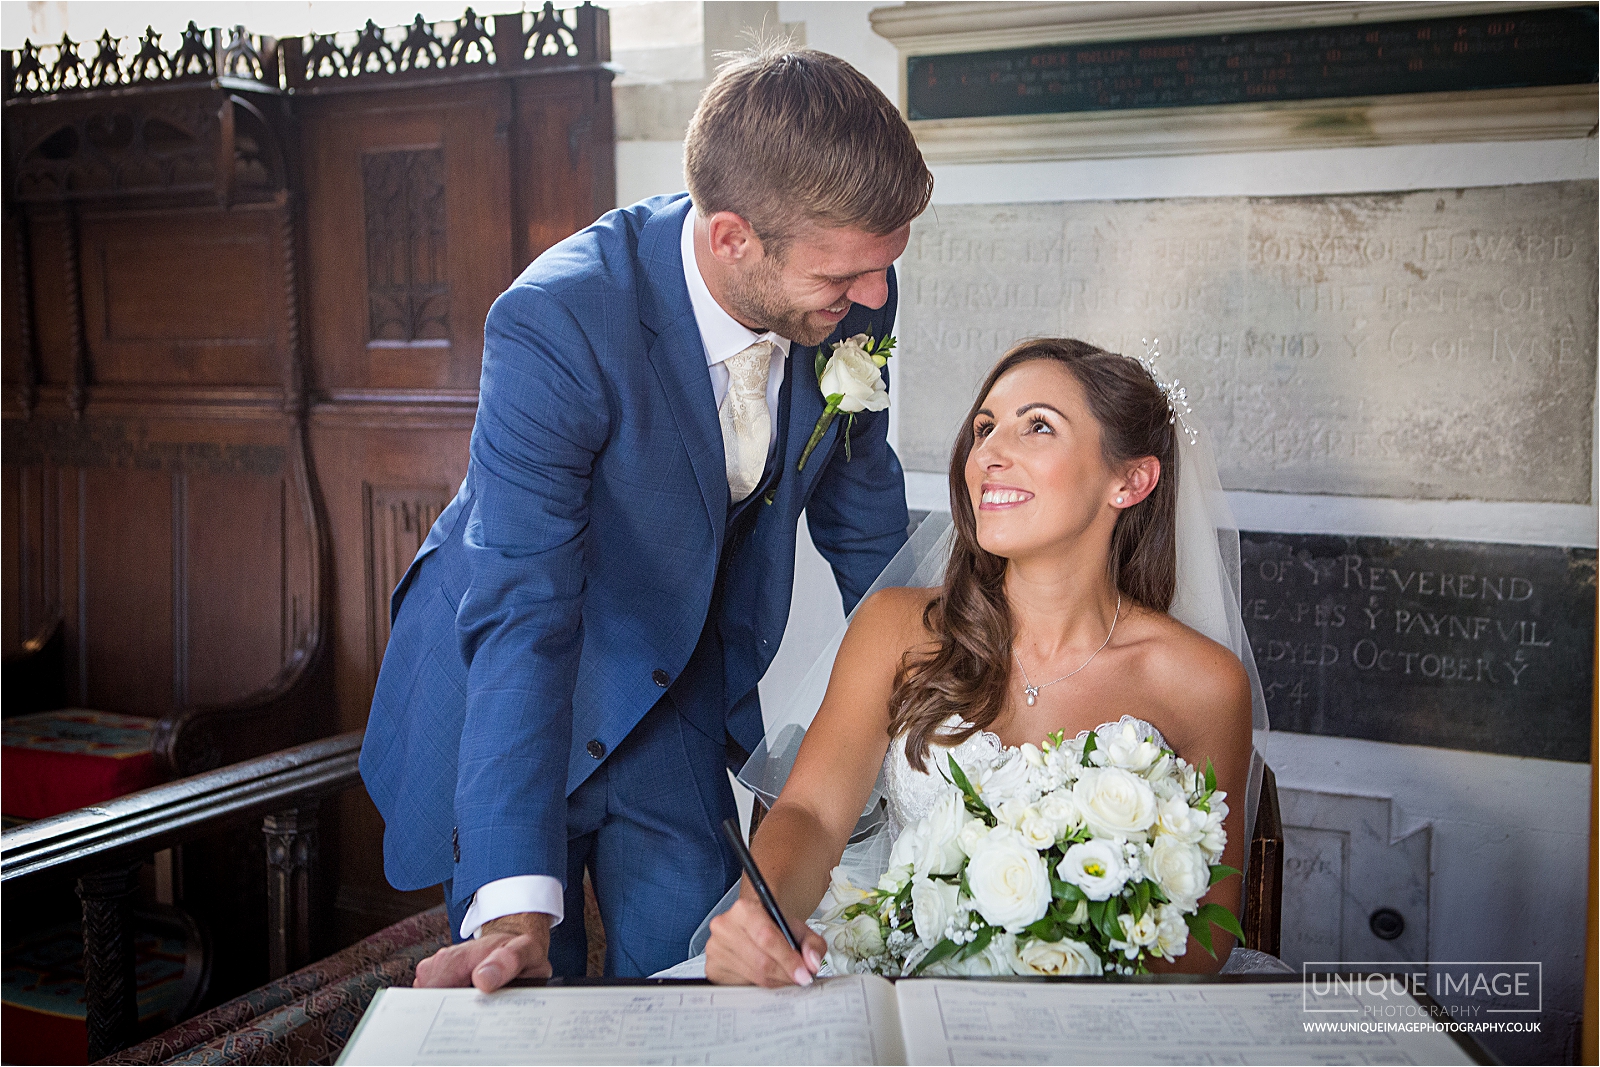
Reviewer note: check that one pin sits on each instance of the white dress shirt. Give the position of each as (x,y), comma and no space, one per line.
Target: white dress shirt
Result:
(721,335)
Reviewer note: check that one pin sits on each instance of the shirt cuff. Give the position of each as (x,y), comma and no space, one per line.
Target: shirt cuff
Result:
(511,896)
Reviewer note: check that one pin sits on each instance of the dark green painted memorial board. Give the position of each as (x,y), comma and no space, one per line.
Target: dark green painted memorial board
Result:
(1452,644)
(1505,50)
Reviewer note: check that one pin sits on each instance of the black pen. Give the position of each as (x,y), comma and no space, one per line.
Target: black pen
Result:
(730,830)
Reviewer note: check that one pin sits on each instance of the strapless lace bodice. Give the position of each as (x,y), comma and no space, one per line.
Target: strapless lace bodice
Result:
(911,794)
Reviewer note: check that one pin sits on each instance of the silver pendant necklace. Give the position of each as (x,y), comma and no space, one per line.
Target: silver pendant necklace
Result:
(1033,690)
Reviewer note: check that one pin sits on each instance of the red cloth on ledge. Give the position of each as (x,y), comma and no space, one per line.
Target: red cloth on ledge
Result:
(55,761)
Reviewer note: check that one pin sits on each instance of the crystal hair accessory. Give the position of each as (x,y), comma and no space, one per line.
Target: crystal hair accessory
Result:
(1177,395)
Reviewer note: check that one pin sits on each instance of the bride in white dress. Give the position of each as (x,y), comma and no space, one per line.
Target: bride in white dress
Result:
(1070,553)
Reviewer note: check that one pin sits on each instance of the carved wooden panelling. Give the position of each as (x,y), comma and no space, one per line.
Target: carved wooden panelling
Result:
(32,576)
(408,290)
(237,619)
(123,618)
(200,304)
(397,522)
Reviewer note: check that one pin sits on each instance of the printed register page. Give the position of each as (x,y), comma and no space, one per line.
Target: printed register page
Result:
(868,1020)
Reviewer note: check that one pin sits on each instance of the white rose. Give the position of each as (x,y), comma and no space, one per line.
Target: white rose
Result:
(995,959)
(972,836)
(895,878)
(1114,802)
(851,373)
(1177,819)
(1010,813)
(1096,867)
(1008,881)
(933,905)
(1215,838)
(861,938)
(1037,830)
(1126,746)
(840,895)
(1005,779)
(1061,810)
(1064,957)
(933,845)
(1172,933)
(1180,871)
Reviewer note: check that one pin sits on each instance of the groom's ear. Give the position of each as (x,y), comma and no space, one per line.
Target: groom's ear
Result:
(731,238)
(1138,481)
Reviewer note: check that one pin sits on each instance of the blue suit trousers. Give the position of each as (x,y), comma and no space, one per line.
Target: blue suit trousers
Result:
(656,857)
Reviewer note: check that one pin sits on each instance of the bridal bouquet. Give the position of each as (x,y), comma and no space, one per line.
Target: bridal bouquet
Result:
(1073,858)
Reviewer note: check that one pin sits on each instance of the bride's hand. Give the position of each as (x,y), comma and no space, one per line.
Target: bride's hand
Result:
(746,948)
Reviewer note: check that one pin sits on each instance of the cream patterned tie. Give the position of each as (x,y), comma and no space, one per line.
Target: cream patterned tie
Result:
(746,423)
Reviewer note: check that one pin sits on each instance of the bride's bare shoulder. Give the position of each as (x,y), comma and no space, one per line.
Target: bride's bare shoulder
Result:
(893,620)
(1199,682)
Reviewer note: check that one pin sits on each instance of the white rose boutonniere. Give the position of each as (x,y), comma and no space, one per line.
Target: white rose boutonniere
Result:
(851,381)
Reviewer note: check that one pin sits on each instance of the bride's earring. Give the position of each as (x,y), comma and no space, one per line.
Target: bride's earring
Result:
(1119,500)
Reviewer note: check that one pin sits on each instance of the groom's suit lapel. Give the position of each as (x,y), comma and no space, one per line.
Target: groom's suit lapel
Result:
(679,358)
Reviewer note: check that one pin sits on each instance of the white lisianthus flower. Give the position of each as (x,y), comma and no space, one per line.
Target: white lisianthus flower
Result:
(1180,870)
(852,373)
(1175,818)
(861,938)
(895,878)
(1008,881)
(1127,746)
(1064,957)
(933,905)
(840,895)
(1114,802)
(1061,810)
(1080,914)
(1031,754)
(1172,933)
(1096,867)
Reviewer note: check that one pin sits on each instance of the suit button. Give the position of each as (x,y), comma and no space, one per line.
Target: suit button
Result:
(660,677)
(595,749)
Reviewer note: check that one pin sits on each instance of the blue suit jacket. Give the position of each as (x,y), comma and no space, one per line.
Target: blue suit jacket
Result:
(574,571)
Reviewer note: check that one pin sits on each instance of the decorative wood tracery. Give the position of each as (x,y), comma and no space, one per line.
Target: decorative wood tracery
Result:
(408,288)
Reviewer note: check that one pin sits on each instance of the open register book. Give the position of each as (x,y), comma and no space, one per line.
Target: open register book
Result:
(865,1020)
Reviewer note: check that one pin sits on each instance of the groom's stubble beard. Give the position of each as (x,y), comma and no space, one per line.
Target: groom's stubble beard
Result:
(757,297)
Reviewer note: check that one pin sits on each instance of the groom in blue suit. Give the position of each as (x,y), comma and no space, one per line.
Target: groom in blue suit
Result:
(576,648)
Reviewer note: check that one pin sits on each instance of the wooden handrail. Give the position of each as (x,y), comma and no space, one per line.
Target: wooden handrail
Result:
(152,819)
(104,845)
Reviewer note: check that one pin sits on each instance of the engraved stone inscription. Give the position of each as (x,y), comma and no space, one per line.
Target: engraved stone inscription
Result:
(1485,647)
(1341,865)
(1420,345)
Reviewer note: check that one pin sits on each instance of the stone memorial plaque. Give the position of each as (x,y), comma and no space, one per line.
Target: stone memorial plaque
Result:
(1415,345)
(1445,643)
(1350,891)
(1500,50)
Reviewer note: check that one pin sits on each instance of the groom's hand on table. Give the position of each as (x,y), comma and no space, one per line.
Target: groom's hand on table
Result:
(512,946)
(746,948)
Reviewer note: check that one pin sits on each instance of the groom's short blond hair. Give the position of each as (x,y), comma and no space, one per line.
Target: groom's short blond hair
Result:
(784,137)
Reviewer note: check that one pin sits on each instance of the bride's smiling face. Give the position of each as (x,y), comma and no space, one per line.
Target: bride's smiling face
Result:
(1037,475)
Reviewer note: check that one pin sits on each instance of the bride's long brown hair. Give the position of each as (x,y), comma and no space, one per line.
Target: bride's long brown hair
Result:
(969,664)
